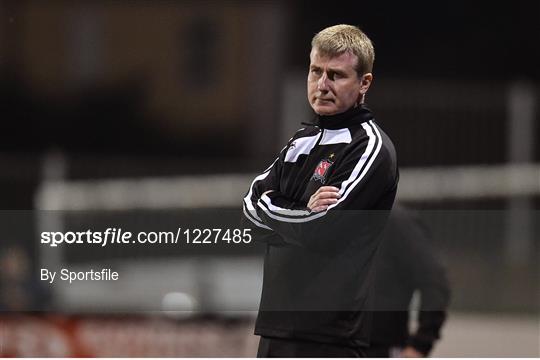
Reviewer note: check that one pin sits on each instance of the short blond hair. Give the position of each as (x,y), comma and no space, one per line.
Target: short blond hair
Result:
(338,39)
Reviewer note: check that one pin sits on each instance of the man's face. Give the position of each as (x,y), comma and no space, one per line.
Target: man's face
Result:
(333,84)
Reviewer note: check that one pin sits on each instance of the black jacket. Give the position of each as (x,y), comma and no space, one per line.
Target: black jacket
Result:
(318,266)
(408,262)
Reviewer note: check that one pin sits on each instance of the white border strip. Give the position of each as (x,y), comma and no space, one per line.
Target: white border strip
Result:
(416,184)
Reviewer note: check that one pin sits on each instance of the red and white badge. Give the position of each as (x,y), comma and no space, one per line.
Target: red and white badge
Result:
(322,170)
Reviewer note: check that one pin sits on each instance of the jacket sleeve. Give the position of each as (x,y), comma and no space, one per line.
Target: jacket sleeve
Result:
(268,180)
(428,275)
(367,179)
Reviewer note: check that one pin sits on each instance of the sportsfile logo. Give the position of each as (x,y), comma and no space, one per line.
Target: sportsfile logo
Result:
(194,236)
(109,236)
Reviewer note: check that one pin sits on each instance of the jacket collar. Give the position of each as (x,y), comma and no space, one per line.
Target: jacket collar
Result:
(353,116)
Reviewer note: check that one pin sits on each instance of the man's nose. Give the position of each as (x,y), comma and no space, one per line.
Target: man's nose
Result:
(322,84)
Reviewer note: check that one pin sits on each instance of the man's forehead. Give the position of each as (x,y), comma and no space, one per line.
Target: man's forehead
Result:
(343,59)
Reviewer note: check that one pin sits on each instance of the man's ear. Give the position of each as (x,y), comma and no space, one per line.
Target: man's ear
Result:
(366,81)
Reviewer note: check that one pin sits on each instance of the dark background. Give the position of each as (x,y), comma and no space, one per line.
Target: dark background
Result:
(454,45)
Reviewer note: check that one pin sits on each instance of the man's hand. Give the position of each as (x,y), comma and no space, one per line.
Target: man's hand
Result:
(322,198)
(410,352)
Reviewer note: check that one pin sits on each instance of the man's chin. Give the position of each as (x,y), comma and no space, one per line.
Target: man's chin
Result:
(325,110)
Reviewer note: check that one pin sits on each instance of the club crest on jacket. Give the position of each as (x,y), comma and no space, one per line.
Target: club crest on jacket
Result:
(321,171)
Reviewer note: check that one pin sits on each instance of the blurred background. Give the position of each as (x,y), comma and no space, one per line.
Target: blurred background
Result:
(115,107)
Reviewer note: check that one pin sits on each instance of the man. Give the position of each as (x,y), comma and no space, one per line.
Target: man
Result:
(406,263)
(320,248)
